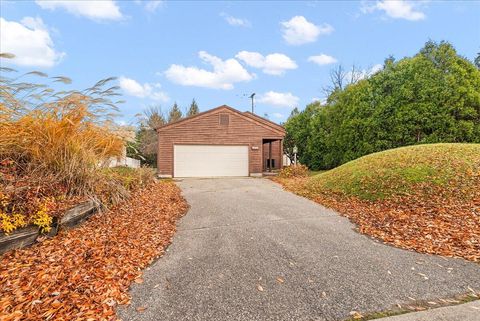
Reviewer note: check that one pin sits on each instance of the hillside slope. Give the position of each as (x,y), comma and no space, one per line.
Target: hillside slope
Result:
(423,197)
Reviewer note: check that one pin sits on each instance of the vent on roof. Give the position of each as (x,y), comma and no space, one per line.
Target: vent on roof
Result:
(224,119)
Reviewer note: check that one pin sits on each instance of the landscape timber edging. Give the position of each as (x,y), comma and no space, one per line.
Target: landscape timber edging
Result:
(27,235)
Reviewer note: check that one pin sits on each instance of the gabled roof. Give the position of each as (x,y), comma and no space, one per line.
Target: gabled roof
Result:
(246,115)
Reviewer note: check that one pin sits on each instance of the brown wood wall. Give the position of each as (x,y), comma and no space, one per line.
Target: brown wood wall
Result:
(276,154)
(205,129)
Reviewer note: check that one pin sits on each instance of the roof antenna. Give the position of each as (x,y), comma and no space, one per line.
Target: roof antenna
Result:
(252,98)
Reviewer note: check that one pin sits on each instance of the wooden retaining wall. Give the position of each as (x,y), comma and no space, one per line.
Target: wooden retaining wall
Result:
(26,236)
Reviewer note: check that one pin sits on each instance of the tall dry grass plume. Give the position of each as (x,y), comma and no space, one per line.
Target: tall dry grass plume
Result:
(51,138)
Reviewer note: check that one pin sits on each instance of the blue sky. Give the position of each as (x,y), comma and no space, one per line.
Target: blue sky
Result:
(219,52)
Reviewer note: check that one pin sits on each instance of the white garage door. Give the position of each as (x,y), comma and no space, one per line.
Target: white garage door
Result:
(210,160)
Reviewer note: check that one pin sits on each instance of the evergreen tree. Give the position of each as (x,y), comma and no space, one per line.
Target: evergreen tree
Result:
(175,113)
(154,117)
(193,110)
(477,61)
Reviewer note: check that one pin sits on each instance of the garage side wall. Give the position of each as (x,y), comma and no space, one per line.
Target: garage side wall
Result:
(207,130)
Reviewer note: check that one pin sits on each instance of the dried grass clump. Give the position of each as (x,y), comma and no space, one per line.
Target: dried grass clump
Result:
(118,181)
(54,143)
(59,142)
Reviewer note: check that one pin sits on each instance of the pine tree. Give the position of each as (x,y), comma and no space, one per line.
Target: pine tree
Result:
(193,110)
(175,113)
(154,117)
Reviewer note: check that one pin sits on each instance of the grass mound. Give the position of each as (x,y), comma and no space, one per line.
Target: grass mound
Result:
(424,197)
(451,169)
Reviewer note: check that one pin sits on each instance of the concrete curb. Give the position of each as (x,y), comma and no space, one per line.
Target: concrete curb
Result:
(463,312)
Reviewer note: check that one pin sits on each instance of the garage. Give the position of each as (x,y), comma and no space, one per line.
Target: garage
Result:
(210,161)
(220,142)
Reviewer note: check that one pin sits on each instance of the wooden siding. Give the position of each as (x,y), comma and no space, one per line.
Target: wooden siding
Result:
(205,129)
(276,154)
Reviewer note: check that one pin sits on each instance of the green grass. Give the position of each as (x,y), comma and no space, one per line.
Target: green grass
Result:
(397,171)
(313,173)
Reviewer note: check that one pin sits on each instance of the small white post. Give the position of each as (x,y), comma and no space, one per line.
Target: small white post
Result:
(295,151)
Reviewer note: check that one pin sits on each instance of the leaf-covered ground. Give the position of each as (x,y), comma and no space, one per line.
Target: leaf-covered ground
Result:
(83,273)
(425,198)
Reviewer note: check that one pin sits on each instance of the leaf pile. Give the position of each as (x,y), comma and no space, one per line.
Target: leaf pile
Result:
(424,198)
(82,274)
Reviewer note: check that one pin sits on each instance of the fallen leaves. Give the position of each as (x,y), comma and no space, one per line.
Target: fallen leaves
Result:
(356,315)
(430,219)
(84,272)
(56,304)
(141,309)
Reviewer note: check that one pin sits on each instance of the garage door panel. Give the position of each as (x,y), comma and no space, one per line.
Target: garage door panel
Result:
(210,160)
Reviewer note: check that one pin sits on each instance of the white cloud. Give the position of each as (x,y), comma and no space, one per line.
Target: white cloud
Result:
(375,68)
(322,101)
(279,99)
(93,9)
(233,21)
(153,5)
(322,59)
(298,31)
(225,73)
(278,115)
(273,64)
(134,88)
(397,9)
(30,42)
(362,74)
(150,5)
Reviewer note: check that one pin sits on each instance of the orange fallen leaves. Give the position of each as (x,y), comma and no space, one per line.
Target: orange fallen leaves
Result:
(425,222)
(81,274)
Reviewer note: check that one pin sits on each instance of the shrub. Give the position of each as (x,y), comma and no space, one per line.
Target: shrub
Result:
(294,171)
(119,181)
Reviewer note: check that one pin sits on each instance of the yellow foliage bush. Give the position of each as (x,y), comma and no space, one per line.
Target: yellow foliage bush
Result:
(10,222)
(42,219)
(294,171)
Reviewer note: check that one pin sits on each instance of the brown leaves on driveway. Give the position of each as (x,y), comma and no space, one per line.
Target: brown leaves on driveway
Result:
(427,223)
(83,273)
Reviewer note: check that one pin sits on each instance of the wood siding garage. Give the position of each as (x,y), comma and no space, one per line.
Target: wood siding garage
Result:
(220,142)
(210,160)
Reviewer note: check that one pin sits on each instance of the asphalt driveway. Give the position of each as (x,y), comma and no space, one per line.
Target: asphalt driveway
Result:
(247,250)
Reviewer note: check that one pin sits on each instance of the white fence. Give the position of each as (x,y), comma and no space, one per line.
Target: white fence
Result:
(124,161)
(286,160)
